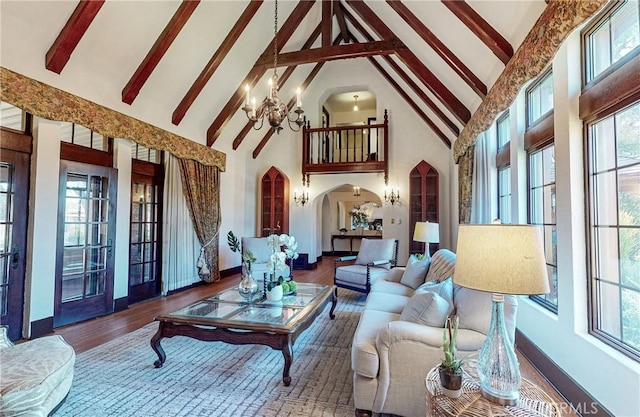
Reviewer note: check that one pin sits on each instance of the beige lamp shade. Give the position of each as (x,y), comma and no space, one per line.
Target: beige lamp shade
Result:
(501,258)
(427,232)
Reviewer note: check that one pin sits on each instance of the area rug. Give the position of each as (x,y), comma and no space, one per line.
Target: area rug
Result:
(217,379)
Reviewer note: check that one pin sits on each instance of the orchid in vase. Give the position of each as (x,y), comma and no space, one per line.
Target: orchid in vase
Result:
(283,247)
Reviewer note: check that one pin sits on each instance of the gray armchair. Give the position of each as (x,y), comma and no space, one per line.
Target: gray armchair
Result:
(374,261)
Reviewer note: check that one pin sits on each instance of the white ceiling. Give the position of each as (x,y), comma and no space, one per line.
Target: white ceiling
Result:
(122,33)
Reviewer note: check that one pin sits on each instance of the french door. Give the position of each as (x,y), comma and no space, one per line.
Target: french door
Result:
(85,252)
(145,239)
(14,194)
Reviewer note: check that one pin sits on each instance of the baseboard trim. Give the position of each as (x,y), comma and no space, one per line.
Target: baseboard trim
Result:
(581,402)
(120,304)
(231,271)
(41,327)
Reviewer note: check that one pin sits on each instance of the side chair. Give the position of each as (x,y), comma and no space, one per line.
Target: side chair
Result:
(374,260)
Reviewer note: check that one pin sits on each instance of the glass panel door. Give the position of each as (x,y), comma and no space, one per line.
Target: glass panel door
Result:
(144,254)
(84,278)
(14,184)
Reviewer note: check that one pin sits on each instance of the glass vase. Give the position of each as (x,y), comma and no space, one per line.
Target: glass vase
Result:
(248,286)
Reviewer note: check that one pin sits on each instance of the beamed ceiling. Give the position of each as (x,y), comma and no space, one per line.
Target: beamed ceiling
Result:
(195,57)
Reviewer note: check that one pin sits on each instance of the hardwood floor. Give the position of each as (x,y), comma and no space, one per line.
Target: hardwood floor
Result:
(91,333)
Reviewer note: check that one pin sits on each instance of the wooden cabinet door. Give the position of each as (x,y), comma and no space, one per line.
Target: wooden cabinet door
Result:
(275,203)
(423,202)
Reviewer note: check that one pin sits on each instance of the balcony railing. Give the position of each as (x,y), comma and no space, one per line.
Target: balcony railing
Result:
(357,148)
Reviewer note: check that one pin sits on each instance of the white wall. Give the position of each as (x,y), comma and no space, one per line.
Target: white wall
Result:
(610,377)
(43,222)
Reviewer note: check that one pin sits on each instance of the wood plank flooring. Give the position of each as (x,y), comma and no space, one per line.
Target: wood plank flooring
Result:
(91,333)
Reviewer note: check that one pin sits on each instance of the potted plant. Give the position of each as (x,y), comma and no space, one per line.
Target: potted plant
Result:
(450,369)
(275,290)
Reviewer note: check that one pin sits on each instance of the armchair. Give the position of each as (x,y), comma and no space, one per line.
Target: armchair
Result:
(374,261)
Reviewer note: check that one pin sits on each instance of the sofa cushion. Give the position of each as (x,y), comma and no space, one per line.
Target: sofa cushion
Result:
(364,354)
(442,265)
(444,289)
(392,303)
(426,308)
(386,287)
(474,309)
(415,271)
(376,250)
(258,247)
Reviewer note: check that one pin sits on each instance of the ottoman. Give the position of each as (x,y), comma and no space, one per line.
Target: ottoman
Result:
(35,376)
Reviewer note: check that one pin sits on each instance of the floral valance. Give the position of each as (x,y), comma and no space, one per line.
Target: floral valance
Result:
(51,103)
(555,23)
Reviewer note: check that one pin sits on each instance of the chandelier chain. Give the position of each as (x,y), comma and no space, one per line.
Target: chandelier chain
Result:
(275,40)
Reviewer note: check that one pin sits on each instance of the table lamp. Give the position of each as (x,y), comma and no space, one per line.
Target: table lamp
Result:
(428,233)
(501,259)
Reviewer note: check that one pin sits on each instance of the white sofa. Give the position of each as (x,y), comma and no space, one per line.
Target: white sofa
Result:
(392,353)
(36,375)
(261,251)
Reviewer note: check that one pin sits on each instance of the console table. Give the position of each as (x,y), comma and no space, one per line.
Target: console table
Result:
(533,401)
(351,237)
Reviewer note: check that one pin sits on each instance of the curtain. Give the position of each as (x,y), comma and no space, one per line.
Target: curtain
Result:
(180,246)
(481,182)
(465,171)
(201,186)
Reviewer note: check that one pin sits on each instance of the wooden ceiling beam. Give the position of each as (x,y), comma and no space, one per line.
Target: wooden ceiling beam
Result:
(281,80)
(157,51)
(481,28)
(440,48)
(234,103)
(407,79)
(417,67)
(316,69)
(58,55)
(215,61)
(342,24)
(411,103)
(332,53)
(327,21)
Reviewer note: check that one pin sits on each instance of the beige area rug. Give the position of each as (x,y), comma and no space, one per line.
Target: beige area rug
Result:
(217,379)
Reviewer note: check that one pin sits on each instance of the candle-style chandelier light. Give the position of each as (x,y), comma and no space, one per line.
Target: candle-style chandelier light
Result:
(272,108)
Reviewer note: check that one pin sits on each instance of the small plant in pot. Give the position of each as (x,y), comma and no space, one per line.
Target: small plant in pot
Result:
(450,369)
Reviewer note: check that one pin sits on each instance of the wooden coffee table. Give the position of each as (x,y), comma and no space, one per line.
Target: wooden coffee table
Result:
(227,317)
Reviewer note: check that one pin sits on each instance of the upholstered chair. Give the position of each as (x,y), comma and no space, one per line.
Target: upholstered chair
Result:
(374,261)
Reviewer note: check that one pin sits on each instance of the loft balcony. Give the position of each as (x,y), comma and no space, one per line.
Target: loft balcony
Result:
(344,149)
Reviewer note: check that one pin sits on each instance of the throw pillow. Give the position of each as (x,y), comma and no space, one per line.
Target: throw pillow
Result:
(426,308)
(444,289)
(376,250)
(415,271)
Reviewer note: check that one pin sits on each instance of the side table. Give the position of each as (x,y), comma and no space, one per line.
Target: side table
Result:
(533,401)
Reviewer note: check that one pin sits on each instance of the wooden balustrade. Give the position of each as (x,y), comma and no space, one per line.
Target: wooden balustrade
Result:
(357,148)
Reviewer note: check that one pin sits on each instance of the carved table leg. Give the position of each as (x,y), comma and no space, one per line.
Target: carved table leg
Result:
(334,301)
(287,352)
(155,345)
(362,413)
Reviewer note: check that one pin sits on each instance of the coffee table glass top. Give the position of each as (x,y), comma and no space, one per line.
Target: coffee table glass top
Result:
(229,307)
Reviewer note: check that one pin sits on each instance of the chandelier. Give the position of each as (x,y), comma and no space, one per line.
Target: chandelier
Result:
(274,110)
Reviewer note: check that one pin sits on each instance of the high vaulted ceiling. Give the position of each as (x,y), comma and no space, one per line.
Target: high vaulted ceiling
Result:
(189,60)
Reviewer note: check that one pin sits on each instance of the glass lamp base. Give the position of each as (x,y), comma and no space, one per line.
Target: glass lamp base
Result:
(498,367)
(500,399)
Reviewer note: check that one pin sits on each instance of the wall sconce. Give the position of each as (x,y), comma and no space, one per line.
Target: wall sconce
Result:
(356,191)
(392,197)
(301,199)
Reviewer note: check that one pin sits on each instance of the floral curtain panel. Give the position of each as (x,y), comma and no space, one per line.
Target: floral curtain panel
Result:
(557,21)
(201,186)
(51,103)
